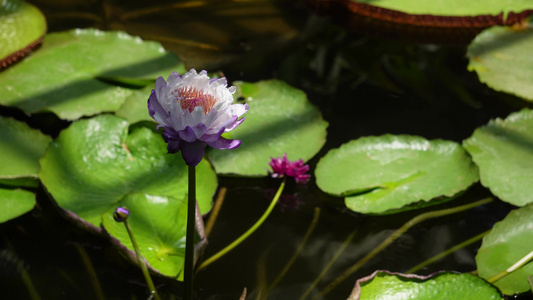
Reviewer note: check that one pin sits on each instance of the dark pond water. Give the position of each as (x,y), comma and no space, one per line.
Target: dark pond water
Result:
(363,86)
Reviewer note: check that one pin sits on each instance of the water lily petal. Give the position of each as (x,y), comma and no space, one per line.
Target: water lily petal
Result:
(212,137)
(235,124)
(224,144)
(194,110)
(187,134)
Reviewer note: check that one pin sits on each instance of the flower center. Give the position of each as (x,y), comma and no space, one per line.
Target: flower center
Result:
(192,97)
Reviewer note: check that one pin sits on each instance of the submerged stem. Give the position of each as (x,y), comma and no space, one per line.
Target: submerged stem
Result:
(397,234)
(214,212)
(447,252)
(189,239)
(330,264)
(297,252)
(248,232)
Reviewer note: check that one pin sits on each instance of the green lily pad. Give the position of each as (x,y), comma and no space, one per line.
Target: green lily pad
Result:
(135,108)
(455,8)
(95,163)
(21,147)
(14,203)
(64,75)
(509,241)
(22,26)
(503,151)
(501,57)
(384,173)
(385,285)
(280,120)
(159,226)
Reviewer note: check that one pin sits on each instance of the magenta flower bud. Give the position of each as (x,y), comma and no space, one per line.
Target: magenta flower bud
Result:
(121,214)
(194,111)
(282,167)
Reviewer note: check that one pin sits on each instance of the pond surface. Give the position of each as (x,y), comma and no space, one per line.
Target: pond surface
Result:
(362,85)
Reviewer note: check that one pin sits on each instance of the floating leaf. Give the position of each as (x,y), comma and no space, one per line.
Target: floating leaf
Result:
(385,285)
(501,57)
(280,120)
(14,203)
(135,108)
(452,7)
(22,27)
(95,163)
(159,225)
(503,151)
(509,241)
(448,21)
(64,75)
(378,174)
(21,147)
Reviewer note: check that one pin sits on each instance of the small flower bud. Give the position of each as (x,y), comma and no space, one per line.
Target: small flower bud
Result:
(121,214)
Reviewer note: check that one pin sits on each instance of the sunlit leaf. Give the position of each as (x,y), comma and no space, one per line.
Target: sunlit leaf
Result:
(14,203)
(509,241)
(503,151)
(22,26)
(501,57)
(385,285)
(452,7)
(73,73)
(445,21)
(280,120)
(378,174)
(135,108)
(95,163)
(158,224)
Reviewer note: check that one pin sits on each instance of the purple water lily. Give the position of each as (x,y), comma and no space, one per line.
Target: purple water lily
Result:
(282,166)
(194,110)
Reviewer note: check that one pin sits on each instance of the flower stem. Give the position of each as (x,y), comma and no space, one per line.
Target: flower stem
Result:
(397,234)
(297,252)
(189,240)
(447,252)
(524,260)
(140,260)
(329,265)
(214,212)
(247,233)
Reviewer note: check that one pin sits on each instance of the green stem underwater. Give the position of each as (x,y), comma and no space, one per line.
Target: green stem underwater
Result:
(397,234)
(447,252)
(248,232)
(189,244)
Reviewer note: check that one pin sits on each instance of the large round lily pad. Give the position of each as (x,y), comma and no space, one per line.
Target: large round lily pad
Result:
(378,174)
(22,27)
(509,241)
(95,163)
(135,108)
(70,74)
(159,225)
(385,285)
(444,21)
(452,7)
(21,147)
(501,57)
(503,151)
(280,120)
(14,203)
